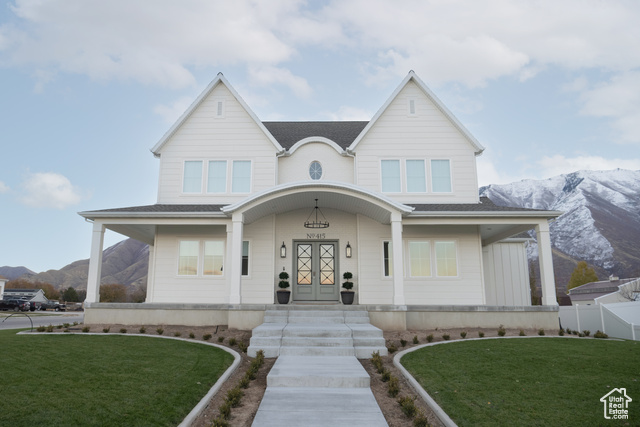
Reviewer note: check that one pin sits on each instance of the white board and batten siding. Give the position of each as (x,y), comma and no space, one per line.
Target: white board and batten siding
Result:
(506,273)
(465,289)
(203,136)
(335,167)
(427,135)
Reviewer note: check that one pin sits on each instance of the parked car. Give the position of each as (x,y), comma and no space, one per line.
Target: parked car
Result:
(14,304)
(53,305)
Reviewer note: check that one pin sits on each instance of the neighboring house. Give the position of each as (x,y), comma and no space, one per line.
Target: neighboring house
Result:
(31,295)
(3,282)
(606,292)
(399,194)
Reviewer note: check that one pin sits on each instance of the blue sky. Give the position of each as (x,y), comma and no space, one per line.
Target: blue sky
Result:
(88,87)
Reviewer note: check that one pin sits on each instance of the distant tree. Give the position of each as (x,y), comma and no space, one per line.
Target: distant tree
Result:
(49,290)
(533,278)
(113,293)
(70,295)
(138,295)
(82,295)
(582,274)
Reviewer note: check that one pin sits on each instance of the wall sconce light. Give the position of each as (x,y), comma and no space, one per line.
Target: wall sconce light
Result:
(348,250)
(283,251)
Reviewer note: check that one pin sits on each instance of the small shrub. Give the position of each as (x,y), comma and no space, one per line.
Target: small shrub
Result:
(408,406)
(501,331)
(403,343)
(244,382)
(59,327)
(86,329)
(206,337)
(66,325)
(392,348)
(415,339)
(142,330)
(234,396)
(192,335)
(420,420)
(50,328)
(177,334)
(160,331)
(600,334)
(232,341)
(541,332)
(242,346)
(225,410)
(75,323)
(220,422)
(430,338)
(581,335)
(586,332)
(561,332)
(480,334)
(393,386)
(106,330)
(463,334)
(386,376)
(220,339)
(446,337)
(123,330)
(41,329)
(574,332)
(522,334)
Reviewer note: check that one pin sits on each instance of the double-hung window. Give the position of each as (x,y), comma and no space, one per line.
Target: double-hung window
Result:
(416,176)
(441,176)
(390,171)
(213,258)
(387,259)
(446,259)
(241,176)
(192,178)
(201,257)
(420,258)
(189,252)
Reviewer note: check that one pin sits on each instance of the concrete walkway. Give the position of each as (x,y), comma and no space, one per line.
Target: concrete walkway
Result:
(317,380)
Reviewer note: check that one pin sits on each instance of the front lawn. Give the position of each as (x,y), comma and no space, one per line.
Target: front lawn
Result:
(103,380)
(528,382)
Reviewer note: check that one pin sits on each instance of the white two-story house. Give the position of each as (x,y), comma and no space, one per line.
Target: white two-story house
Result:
(398,207)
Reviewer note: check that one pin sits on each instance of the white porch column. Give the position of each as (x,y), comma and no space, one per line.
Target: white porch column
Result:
(236,258)
(398,271)
(545,257)
(95,263)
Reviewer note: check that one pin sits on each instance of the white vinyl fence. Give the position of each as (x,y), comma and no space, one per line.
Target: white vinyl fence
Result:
(620,320)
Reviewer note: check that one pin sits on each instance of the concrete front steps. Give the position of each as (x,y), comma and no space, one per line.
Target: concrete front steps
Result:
(317,380)
(316,332)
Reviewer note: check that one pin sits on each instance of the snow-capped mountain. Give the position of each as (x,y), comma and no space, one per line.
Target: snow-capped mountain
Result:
(601,220)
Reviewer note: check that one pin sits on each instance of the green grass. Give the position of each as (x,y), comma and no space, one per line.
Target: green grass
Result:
(73,380)
(528,382)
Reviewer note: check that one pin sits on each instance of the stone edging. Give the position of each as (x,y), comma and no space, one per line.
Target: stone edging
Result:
(440,413)
(190,418)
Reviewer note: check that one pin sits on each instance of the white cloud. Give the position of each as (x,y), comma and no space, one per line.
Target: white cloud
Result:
(557,165)
(267,75)
(488,173)
(49,190)
(349,114)
(4,188)
(171,113)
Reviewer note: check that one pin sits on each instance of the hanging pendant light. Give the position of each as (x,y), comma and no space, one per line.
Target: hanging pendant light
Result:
(316,223)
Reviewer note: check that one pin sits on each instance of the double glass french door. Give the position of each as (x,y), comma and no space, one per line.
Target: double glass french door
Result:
(315,271)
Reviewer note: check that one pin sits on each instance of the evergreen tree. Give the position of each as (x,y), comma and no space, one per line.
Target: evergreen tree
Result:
(582,274)
(70,295)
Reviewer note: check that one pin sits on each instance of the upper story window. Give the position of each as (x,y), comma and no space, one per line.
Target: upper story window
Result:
(241,179)
(411,107)
(217,179)
(441,176)
(219,108)
(416,176)
(315,170)
(390,172)
(192,180)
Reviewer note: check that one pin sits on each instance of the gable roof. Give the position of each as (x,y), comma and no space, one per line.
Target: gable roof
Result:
(220,79)
(411,76)
(288,133)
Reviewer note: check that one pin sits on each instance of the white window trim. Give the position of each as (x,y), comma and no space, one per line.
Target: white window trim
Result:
(431,257)
(200,268)
(456,244)
(426,175)
(400,165)
(226,176)
(250,176)
(430,171)
(202,176)
(309,170)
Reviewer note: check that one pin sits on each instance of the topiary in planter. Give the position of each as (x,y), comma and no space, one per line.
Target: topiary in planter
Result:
(283,284)
(347,295)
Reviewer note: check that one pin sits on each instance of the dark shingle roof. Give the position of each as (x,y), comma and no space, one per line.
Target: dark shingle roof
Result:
(485,205)
(288,133)
(160,208)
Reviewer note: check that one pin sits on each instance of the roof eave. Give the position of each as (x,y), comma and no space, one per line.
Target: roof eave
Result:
(501,214)
(104,215)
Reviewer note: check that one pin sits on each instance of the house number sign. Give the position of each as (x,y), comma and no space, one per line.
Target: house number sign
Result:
(316,236)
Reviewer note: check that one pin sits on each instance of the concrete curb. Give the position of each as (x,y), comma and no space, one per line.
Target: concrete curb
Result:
(440,413)
(190,418)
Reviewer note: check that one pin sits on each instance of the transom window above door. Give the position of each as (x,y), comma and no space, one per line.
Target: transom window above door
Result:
(315,170)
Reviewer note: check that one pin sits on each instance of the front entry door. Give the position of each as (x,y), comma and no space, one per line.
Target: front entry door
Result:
(315,271)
